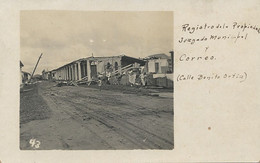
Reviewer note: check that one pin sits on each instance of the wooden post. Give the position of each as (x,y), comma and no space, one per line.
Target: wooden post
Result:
(79,71)
(35,67)
(88,70)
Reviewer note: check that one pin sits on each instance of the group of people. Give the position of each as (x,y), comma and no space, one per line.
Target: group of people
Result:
(136,76)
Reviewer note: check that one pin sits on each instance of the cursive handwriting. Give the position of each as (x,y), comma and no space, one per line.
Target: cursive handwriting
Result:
(235,25)
(241,77)
(213,37)
(185,57)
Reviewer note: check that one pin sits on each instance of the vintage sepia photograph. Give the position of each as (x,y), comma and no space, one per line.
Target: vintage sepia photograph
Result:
(96,80)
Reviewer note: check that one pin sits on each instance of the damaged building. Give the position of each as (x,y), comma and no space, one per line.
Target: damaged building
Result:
(160,68)
(90,68)
(159,64)
(154,70)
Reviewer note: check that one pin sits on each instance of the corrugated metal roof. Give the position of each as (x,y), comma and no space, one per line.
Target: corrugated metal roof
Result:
(158,56)
(83,59)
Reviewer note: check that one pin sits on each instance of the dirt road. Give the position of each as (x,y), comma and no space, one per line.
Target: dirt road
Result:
(81,118)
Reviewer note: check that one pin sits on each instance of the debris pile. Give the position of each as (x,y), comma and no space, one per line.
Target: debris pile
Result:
(65,83)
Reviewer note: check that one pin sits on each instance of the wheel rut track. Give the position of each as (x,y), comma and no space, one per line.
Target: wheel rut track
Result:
(106,120)
(76,118)
(118,102)
(146,111)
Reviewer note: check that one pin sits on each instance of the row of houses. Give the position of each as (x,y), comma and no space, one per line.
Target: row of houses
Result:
(92,67)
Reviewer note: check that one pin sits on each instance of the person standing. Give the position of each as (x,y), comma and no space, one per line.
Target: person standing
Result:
(99,83)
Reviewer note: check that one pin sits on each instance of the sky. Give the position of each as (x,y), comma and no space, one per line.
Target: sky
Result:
(65,36)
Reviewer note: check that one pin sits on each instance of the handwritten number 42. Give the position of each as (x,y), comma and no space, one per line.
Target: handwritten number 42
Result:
(35,143)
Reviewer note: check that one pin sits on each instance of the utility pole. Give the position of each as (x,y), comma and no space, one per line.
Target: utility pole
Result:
(172,58)
(35,67)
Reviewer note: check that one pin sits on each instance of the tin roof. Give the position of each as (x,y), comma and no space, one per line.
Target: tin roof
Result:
(158,56)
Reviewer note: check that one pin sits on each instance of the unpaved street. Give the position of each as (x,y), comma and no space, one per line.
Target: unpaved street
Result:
(87,118)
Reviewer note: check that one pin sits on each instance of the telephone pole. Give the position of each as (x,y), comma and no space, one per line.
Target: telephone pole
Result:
(35,67)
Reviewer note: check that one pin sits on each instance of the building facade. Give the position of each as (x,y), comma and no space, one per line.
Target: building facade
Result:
(159,64)
(91,67)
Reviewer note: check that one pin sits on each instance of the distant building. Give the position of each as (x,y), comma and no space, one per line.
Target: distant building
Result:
(46,75)
(159,64)
(25,76)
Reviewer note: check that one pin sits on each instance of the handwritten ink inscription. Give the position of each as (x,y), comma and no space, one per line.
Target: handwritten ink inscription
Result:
(213,37)
(229,35)
(195,34)
(191,29)
(185,57)
(240,77)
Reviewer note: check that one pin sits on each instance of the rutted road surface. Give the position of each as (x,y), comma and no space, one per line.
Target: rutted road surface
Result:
(87,118)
